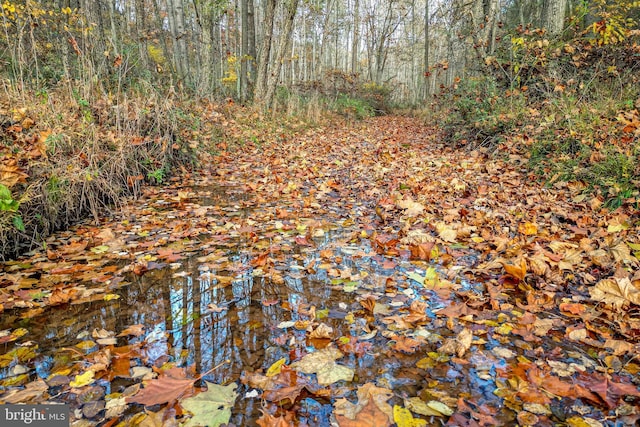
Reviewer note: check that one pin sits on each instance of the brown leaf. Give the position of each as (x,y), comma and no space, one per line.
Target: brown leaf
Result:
(163,390)
(616,291)
(133,330)
(369,416)
(422,251)
(268,420)
(458,345)
(406,344)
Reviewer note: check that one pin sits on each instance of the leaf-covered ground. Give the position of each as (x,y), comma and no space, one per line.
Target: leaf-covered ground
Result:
(355,276)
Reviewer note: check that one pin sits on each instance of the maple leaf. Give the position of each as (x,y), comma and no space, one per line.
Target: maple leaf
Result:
(211,408)
(411,208)
(164,389)
(286,386)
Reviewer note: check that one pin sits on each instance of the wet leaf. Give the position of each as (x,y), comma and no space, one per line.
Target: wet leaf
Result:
(83,379)
(367,416)
(276,367)
(431,408)
(133,330)
(164,389)
(404,418)
(458,345)
(211,408)
(322,363)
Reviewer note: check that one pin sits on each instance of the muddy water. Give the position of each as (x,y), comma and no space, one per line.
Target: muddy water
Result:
(218,310)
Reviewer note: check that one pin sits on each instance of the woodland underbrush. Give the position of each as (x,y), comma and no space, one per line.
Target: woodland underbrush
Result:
(66,156)
(572,108)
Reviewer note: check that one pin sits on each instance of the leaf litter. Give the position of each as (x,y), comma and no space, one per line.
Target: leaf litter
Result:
(352,276)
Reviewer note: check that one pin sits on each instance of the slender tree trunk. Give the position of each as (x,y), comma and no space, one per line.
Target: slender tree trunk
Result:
(265,51)
(356,37)
(285,38)
(427,58)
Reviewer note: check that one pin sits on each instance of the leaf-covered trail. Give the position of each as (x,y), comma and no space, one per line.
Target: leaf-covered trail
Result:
(364,275)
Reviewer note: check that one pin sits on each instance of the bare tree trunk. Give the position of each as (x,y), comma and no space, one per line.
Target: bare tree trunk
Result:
(553,16)
(285,37)
(427,71)
(356,37)
(265,52)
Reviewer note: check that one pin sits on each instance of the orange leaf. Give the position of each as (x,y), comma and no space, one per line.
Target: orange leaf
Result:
(516,271)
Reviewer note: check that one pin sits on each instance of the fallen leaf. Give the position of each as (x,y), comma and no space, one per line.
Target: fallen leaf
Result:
(211,408)
(368,416)
(404,418)
(615,291)
(458,345)
(322,363)
(164,389)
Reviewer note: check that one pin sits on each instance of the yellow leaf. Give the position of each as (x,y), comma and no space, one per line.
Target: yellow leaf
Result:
(86,345)
(109,297)
(528,229)
(616,224)
(404,418)
(82,379)
(276,367)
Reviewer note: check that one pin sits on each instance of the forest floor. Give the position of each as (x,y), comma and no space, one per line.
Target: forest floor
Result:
(356,275)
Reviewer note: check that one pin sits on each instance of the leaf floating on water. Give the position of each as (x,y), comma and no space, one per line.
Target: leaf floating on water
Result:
(164,389)
(276,367)
(404,418)
(322,331)
(133,330)
(213,308)
(366,416)
(82,379)
(322,363)
(211,408)
(432,408)
(286,324)
(458,345)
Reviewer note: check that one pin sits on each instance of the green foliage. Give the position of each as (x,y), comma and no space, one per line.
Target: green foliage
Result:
(480,113)
(157,175)
(353,107)
(9,205)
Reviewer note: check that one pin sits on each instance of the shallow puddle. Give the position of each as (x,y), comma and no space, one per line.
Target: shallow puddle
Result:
(243,296)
